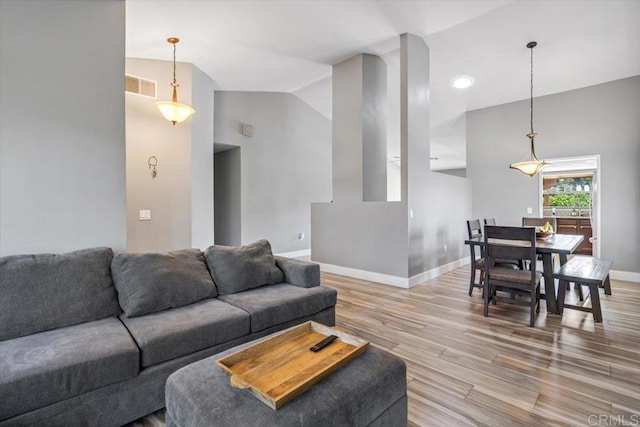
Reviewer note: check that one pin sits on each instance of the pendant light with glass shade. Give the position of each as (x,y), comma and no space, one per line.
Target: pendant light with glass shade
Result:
(172,110)
(532,166)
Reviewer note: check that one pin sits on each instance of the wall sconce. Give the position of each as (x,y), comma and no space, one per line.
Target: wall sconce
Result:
(153,162)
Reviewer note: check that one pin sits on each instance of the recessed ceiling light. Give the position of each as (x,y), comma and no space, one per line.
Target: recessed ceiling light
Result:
(462,82)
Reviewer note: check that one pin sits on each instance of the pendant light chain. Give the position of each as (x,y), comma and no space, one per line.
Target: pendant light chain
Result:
(531,90)
(173,110)
(174,65)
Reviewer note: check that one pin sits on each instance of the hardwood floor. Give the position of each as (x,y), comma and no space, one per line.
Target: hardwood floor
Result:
(465,369)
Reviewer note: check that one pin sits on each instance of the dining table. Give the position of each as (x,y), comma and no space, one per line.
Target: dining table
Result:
(561,244)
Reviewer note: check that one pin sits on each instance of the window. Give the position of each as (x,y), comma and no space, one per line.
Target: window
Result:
(567,194)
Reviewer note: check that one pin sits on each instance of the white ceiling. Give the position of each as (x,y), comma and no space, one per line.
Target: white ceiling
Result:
(286,45)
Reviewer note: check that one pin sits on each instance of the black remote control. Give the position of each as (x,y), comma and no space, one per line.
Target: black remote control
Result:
(322,344)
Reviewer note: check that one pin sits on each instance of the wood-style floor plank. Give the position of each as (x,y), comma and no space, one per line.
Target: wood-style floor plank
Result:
(465,369)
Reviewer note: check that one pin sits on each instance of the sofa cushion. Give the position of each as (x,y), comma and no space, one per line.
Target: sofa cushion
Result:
(238,268)
(152,282)
(173,333)
(52,366)
(47,291)
(275,304)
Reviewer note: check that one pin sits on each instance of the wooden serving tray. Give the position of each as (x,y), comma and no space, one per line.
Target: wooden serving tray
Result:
(281,368)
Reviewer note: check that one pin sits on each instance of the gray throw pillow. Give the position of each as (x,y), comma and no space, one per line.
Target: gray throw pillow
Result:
(152,282)
(238,268)
(48,291)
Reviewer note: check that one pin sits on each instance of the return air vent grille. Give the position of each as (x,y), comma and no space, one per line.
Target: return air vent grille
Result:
(139,86)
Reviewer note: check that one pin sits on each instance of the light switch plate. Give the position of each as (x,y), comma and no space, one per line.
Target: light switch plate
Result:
(145,215)
(529,211)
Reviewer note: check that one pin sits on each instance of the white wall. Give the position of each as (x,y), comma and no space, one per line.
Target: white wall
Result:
(286,165)
(392,59)
(180,197)
(318,96)
(602,119)
(62,136)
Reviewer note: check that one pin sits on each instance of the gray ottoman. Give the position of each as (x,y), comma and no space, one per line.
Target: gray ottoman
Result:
(368,391)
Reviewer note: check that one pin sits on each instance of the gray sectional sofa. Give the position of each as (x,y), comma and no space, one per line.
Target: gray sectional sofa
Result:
(89,339)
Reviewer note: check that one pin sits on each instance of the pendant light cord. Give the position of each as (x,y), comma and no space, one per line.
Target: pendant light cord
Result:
(533,166)
(531,102)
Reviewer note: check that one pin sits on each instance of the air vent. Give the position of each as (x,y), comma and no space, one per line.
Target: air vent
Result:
(139,86)
(246,130)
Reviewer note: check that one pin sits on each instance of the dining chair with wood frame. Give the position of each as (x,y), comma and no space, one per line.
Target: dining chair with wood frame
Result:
(474,230)
(511,243)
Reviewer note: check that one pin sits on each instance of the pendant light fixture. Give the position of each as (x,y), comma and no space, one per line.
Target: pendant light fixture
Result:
(172,110)
(532,166)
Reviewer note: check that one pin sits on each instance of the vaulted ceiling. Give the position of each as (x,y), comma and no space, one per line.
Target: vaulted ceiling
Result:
(287,45)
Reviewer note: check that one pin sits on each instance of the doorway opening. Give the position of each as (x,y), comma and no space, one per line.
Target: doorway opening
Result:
(570,191)
(227,202)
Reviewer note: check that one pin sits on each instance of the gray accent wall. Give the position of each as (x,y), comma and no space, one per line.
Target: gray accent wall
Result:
(62,129)
(370,236)
(598,120)
(202,165)
(349,232)
(285,166)
(374,128)
(347,127)
(438,204)
(404,239)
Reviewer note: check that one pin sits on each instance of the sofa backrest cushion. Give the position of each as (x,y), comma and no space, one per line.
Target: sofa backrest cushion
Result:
(152,282)
(47,291)
(238,268)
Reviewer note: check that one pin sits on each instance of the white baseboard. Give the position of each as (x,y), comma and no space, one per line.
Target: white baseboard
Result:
(397,281)
(627,276)
(372,276)
(406,283)
(295,254)
(435,272)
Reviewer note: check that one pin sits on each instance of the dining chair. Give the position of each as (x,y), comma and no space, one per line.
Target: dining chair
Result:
(514,243)
(539,222)
(474,230)
(518,262)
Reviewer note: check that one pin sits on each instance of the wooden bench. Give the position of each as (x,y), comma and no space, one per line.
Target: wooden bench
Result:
(587,271)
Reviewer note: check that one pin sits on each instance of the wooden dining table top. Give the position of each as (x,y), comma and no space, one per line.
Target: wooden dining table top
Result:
(556,243)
